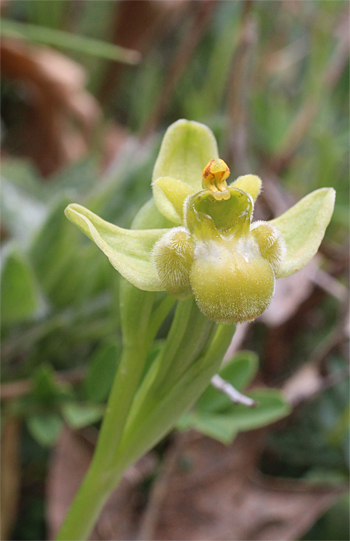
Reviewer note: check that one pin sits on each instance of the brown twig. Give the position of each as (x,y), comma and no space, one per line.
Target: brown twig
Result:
(180,61)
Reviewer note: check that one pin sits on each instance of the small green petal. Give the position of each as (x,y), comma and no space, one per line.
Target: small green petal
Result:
(303,227)
(129,251)
(170,195)
(248,183)
(185,151)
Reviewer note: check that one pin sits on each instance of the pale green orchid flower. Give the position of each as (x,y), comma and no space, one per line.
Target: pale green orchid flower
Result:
(213,250)
(193,239)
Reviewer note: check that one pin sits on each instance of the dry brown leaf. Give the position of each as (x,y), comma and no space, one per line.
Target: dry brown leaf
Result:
(10,475)
(70,461)
(61,114)
(304,383)
(213,492)
(221,496)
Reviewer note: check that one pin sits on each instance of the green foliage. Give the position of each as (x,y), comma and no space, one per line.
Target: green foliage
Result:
(101,371)
(216,416)
(46,391)
(225,426)
(45,428)
(239,371)
(66,40)
(78,415)
(20,293)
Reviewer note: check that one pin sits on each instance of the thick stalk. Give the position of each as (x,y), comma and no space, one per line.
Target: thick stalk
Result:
(86,507)
(158,412)
(153,415)
(102,476)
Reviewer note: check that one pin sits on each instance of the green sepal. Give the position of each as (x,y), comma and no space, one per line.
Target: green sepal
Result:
(250,184)
(303,227)
(185,151)
(170,195)
(128,250)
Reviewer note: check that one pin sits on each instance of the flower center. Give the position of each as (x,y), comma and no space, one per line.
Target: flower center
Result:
(214,176)
(210,218)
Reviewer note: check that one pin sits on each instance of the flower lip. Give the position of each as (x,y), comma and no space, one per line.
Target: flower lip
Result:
(207,216)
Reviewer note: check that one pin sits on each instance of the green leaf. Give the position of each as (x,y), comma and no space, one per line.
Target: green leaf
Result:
(67,40)
(53,248)
(128,250)
(185,151)
(65,264)
(102,369)
(218,427)
(239,372)
(170,195)
(79,415)
(45,428)
(224,427)
(303,227)
(46,389)
(44,385)
(271,407)
(20,298)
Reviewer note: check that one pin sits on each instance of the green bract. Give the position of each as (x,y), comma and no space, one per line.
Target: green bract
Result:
(213,251)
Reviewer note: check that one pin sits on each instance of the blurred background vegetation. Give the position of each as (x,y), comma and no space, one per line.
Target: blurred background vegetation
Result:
(88,89)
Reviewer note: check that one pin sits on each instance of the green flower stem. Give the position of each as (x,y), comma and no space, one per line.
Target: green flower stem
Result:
(137,418)
(152,417)
(103,475)
(136,307)
(159,315)
(87,505)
